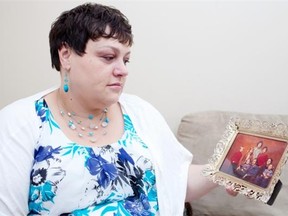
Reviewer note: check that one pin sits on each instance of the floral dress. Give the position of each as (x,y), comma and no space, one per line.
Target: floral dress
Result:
(71,179)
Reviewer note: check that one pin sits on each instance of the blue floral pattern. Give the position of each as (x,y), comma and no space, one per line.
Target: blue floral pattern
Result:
(70,179)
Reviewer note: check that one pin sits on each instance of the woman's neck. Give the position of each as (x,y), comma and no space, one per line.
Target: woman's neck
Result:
(80,106)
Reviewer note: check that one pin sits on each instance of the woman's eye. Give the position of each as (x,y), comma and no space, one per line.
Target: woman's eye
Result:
(126,61)
(108,58)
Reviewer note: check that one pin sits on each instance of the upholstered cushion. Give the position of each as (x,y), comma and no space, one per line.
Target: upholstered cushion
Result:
(199,133)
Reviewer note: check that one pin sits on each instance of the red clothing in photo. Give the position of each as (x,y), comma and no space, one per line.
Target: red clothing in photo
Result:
(262,159)
(236,157)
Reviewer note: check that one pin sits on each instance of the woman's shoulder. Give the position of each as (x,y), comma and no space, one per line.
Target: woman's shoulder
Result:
(22,109)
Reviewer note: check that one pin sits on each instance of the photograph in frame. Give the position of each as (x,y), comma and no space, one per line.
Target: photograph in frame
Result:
(249,158)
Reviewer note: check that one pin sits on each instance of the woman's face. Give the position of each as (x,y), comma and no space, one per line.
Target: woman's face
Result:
(264,150)
(98,77)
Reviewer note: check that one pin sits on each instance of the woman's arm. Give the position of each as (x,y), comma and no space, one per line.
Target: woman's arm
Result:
(198,185)
(18,136)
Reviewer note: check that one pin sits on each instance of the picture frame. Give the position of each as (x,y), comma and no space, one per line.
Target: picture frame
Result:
(249,157)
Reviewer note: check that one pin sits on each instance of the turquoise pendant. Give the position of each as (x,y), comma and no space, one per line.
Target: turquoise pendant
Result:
(66,88)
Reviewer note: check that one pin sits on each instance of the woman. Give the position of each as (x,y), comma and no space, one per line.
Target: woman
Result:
(257,149)
(85,148)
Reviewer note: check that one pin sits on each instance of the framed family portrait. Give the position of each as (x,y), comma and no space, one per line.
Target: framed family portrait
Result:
(249,157)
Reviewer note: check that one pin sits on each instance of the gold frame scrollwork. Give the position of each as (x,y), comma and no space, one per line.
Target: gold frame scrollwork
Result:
(243,132)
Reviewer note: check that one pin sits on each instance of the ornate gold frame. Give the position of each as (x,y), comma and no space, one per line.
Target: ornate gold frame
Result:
(248,130)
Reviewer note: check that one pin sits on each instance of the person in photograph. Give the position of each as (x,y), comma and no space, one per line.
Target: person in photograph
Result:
(252,171)
(257,149)
(262,157)
(236,158)
(264,178)
(265,166)
(231,162)
(248,155)
(242,169)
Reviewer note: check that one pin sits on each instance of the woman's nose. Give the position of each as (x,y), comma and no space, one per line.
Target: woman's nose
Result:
(121,69)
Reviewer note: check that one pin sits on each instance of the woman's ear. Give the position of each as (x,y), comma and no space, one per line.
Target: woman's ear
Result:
(64,56)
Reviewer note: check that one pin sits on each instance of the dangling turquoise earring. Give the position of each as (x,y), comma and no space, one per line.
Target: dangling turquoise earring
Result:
(65,87)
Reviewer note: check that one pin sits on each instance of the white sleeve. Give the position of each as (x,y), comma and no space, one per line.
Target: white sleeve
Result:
(173,162)
(19,131)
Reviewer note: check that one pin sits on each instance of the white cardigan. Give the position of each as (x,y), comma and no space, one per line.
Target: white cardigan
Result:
(19,132)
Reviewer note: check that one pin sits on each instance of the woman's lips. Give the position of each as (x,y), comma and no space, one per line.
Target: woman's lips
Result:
(115,86)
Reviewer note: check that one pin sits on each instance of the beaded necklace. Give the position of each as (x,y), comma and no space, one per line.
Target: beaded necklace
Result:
(91,128)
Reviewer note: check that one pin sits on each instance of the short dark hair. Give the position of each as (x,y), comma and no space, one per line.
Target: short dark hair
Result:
(87,21)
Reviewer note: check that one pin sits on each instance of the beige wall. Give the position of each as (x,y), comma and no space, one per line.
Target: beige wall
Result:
(188,56)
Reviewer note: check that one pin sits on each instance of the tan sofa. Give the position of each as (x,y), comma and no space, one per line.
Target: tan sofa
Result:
(199,133)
